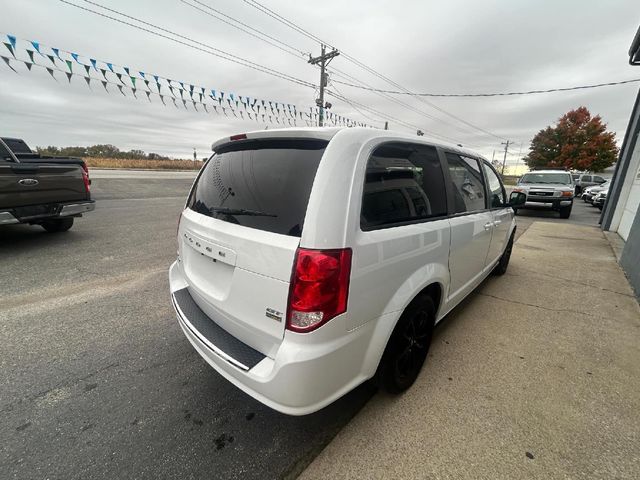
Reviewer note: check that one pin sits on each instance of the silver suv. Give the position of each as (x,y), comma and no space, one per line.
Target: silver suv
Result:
(547,189)
(588,180)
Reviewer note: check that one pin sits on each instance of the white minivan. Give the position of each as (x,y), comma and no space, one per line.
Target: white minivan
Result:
(311,260)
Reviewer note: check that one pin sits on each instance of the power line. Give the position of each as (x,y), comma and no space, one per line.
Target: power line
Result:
(221,53)
(384,117)
(343,74)
(354,106)
(501,94)
(249,30)
(289,23)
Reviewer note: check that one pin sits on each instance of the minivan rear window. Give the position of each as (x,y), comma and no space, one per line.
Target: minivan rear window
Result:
(261,184)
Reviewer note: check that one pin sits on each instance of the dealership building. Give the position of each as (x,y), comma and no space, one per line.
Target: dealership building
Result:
(620,214)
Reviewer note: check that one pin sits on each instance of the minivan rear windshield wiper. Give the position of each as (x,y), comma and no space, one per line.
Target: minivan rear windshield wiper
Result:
(241,211)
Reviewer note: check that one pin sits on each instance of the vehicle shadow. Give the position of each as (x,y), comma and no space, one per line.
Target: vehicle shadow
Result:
(23,237)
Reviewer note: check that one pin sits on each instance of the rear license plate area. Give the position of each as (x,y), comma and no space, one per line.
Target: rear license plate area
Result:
(36,211)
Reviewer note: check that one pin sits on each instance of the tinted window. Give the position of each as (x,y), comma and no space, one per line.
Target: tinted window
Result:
(551,178)
(585,178)
(468,187)
(4,153)
(16,145)
(262,184)
(598,179)
(497,196)
(403,183)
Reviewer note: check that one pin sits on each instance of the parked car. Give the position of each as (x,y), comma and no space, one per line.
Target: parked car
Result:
(547,189)
(587,180)
(41,190)
(600,198)
(311,260)
(590,192)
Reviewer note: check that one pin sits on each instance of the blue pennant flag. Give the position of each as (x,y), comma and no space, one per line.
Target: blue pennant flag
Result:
(231,96)
(155,77)
(57,52)
(213,93)
(12,39)
(75,57)
(110,66)
(126,69)
(36,47)
(142,74)
(94,63)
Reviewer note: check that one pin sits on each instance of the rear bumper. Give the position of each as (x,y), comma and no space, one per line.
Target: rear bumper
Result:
(77,208)
(307,372)
(39,213)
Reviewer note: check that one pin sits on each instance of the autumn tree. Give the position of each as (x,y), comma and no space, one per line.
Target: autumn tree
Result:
(578,141)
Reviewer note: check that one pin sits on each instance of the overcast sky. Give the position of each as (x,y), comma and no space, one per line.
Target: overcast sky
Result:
(424,45)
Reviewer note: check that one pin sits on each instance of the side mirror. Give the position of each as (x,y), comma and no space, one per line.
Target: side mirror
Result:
(517,199)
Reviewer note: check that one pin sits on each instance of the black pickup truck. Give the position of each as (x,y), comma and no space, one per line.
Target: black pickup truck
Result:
(41,190)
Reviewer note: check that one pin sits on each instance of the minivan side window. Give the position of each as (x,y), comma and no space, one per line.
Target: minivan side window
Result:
(404,183)
(468,186)
(497,195)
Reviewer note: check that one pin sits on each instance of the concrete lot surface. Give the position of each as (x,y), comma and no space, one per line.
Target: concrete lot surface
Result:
(537,375)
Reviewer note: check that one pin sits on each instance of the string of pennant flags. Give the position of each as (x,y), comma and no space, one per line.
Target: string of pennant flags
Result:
(127,81)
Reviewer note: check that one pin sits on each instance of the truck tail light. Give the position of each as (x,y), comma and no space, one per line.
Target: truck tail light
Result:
(85,177)
(319,288)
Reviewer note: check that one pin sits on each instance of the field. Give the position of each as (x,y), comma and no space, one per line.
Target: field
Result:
(142,164)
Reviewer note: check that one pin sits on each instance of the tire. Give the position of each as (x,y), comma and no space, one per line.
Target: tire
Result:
(408,346)
(57,225)
(503,263)
(565,212)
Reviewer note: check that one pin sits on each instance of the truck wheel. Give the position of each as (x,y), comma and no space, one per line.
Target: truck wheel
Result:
(565,212)
(58,225)
(408,346)
(503,263)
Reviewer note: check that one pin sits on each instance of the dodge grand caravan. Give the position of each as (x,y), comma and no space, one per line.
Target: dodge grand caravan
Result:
(312,260)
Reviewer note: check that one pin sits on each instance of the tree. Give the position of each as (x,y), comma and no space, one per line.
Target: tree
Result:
(578,141)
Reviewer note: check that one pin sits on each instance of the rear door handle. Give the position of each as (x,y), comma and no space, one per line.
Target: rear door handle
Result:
(487,226)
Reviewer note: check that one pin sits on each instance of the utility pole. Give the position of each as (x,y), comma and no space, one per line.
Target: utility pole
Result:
(323,60)
(506,147)
(386,125)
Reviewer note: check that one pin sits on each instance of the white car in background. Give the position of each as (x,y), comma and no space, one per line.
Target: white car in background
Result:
(311,260)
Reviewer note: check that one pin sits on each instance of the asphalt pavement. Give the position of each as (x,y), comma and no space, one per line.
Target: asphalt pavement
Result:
(97,379)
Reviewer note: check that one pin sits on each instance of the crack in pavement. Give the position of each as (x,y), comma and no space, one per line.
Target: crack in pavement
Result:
(578,282)
(559,310)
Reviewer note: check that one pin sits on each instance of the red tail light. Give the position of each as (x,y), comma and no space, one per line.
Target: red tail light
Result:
(85,177)
(319,288)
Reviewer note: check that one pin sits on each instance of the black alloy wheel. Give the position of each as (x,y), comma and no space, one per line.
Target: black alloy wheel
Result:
(408,346)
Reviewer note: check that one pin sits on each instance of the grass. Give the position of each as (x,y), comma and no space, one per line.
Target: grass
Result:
(142,164)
